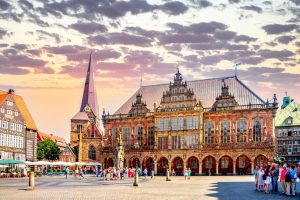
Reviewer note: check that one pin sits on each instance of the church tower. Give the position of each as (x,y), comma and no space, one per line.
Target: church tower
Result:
(85,134)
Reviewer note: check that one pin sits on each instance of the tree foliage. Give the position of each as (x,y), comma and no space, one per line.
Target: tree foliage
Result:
(48,150)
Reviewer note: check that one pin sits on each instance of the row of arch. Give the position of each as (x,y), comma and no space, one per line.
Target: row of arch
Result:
(209,165)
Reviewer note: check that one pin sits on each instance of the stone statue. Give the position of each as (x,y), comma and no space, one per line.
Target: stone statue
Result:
(119,152)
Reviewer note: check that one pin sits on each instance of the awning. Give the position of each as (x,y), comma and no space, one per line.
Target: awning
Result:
(11,162)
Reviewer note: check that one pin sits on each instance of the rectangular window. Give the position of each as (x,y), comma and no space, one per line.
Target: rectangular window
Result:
(225,132)
(180,123)
(9,112)
(189,123)
(163,142)
(174,124)
(1,139)
(2,110)
(5,124)
(9,103)
(166,124)
(195,122)
(176,142)
(209,131)
(79,128)
(192,141)
(159,124)
(126,136)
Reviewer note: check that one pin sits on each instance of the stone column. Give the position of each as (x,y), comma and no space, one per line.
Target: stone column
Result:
(155,167)
(217,167)
(169,141)
(234,166)
(200,168)
(252,167)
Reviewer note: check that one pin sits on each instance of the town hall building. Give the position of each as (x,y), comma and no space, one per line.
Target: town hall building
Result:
(212,126)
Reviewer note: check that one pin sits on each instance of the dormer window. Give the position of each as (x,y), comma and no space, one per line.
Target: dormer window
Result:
(9,103)
(289,121)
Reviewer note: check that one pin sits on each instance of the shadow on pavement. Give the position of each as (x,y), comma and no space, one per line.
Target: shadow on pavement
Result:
(244,191)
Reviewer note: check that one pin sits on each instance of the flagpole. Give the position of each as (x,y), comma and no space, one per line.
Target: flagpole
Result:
(235,70)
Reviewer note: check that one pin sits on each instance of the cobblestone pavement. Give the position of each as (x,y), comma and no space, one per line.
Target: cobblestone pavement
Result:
(214,187)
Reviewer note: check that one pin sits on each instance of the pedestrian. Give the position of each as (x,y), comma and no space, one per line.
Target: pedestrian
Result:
(255,171)
(67,171)
(189,174)
(260,181)
(291,176)
(85,170)
(267,182)
(282,179)
(145,173)
(275,174)
(185,173)
(81,173)
(173,172)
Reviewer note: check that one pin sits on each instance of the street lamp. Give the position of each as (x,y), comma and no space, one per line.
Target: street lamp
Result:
(136,175)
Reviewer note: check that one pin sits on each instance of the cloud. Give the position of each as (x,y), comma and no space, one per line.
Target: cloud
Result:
(224,35)
(88,28)
(2,33)
(55,36)
(120,38)
(173,8)
(111,9)
(185,38)
(285,39)
(297,2)
(217,45)
(252,8)
(279,28)
(4,5)
(202,27)
(201,3)
(234,1)
(244,38)
(268,3)
(282,55)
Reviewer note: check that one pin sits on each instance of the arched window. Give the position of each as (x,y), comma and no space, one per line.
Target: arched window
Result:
(92,152)
(257,130)
(225,132)
(241,130)
(139,135)
(209,131)
(151,136)
(126,136)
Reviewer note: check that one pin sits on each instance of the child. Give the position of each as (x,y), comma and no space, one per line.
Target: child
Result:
(267,183)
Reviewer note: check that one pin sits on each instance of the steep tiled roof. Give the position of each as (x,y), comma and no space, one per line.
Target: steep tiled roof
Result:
(61,142)
(80,116)
(30,124)
(205,90)
(291,110)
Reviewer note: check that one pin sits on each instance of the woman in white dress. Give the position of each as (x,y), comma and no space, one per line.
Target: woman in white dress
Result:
(260,181)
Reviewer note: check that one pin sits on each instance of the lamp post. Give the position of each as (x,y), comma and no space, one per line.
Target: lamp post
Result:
(136,175)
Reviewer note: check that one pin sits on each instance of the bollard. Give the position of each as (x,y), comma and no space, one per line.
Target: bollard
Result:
(168,176)
(136,179)
(152,174)
(31,181)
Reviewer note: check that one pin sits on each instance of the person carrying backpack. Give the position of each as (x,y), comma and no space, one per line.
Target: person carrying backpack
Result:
(288,181)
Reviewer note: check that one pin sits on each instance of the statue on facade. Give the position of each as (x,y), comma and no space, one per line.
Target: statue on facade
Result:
(119,152)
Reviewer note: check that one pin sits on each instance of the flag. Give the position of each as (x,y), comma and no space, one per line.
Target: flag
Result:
(237,64)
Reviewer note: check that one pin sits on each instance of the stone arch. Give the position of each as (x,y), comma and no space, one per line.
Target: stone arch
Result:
(108,162)
(225,165)
(209,165)
(162,165)
(193,163)
(133,161)
(243,165)
(148,163)
(261,160)
(177,165)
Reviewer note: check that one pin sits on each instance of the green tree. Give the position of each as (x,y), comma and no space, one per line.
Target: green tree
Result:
(48,150)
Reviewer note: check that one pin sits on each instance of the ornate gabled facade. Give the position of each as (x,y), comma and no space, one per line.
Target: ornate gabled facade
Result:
(86,136)
(287,130)
(214,126)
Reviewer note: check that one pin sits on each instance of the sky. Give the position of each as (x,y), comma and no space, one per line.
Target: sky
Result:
(45,47)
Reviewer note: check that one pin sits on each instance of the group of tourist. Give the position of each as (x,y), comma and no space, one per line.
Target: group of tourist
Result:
(266,178)
(186,173)
(112,173)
